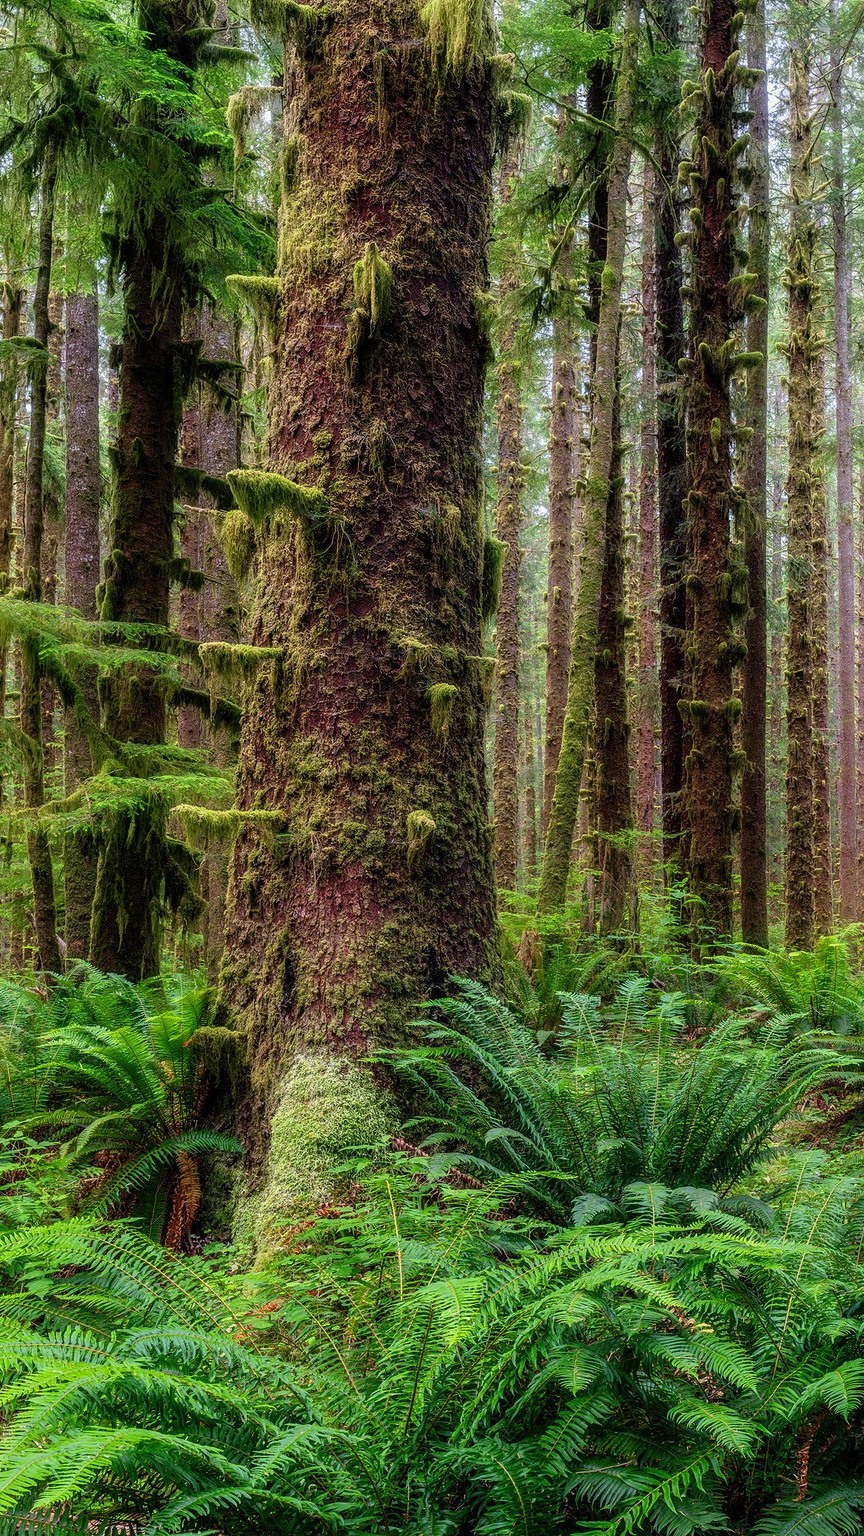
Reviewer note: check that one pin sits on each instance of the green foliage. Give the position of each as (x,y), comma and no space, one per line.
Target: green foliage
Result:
(615,1108)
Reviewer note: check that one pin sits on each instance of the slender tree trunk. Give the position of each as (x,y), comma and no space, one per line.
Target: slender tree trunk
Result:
(613,798)
(38,848)
(600,469)
(529,760)
(846,544)
(823,904)
(508,528)
(776,705)
(671,458)
(13,300)
(83,497)
(563,471)
(210,441)
(859,739)
(715,584)
(754,810)
(646,599)
(368,739)
(803,353)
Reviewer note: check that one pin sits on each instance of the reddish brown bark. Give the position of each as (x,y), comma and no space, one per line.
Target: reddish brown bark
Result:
(671,457)
(508,528)
(381,884)
(754,671)
(859,738)
(847,830)
(646,604)
(712,581)
(82,559)
(823,902)
(564,447)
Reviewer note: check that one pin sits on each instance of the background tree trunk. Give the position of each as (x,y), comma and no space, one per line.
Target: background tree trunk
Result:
(508,528)
(82,554)
(565,425)
(803,349)
(381,883)
(647,584)
(823,878)
(38,848)
(754,678)
(847,830)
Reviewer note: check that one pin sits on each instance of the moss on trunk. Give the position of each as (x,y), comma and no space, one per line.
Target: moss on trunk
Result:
(336,931)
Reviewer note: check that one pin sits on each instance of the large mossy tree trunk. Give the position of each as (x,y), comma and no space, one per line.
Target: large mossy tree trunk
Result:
(716,585)
(38,847)
(508,530)
(847,828)
(803,354)
(82,565)
(365,731)
(671,456)
(599,473)
(754,671)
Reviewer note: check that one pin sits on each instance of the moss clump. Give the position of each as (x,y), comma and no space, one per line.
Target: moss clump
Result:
(327,1107)
(237,534)
(244,109)
(442,702)
(459,34)
(262,495)
(373,301)
(259,292)
(223,826)
(420,828)
(494,555)
(299,24)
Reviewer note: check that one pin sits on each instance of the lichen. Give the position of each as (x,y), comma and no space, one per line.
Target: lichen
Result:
(442,701)
(420,828)
(373,299)
(327,1108)
(259,292)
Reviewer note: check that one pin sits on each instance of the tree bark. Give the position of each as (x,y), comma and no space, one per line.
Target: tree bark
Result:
(823,903)
(803,354)
(13,303)
(82,557)
(859,738)
(367,735)
(210,440)
(508,529)
(715,584)
(38,848)
(580,694)
(671,456)
(754,678)
(565,425)
(646,604)
(847,829)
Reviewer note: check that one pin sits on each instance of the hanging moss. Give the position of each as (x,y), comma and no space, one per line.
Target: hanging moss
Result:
(512,118)
(459,35)
(373,299)
(420,829)
(262,495)
(494,555)
(191,483)
(237,533)
(301,25)
(235,664)
(244,109)
(442,701)
(223,826)
(259,292)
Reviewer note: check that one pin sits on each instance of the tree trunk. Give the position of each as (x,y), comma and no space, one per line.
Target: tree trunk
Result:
(754,680)
(367,735)
(671,458)
(580,693)
(210,441)
(803,353)
(823,904)
(715,584)
(13,303)
(38,848)
(859,738)
(508,529)
(646,599)
(847,829)
(83,497)
(563,472)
